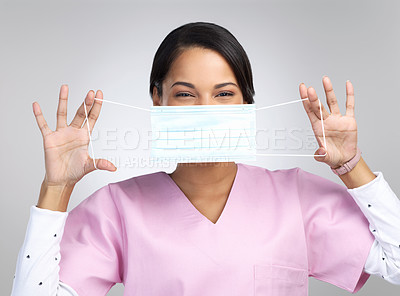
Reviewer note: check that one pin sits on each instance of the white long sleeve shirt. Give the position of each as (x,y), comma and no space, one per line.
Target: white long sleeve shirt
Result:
(39,256)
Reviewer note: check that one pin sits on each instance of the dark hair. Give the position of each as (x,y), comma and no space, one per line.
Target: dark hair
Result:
(203,35)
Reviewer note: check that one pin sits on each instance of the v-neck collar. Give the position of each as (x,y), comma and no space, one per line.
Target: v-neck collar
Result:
(190,208)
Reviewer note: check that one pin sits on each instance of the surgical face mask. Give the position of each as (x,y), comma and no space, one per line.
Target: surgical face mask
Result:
(203,133)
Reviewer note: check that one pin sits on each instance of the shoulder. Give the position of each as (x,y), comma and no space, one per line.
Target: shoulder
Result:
(111,194)
(146,180)
(292,177)
(140,178)
(308,181)
(291,174)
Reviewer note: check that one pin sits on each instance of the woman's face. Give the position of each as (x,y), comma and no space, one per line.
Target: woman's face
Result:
(199,77)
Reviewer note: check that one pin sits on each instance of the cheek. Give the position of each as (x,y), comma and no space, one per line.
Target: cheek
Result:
(240,99)
(172,101)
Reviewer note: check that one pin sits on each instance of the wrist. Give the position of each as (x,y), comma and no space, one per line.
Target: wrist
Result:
(349,165)
(360,175)
(54,197)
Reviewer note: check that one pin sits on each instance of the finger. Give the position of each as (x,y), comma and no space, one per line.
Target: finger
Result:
(94,113)
(101,164)
(41,122)
(80,115)
(62,107)
(330,96)
(313,98)
(306,103)
(321,155)
(350,101)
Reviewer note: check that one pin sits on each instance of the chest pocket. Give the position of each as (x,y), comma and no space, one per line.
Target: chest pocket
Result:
(274,280)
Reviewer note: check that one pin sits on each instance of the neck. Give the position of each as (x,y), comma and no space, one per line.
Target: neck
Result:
(206,173)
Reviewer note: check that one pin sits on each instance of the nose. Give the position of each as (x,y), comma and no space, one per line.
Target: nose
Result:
(205,100)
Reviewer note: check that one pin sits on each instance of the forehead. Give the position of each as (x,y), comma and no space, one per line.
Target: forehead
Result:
(200,64)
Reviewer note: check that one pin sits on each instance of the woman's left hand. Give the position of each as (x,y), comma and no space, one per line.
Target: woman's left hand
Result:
(340,130)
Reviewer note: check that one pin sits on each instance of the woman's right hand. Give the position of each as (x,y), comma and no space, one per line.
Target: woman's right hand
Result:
(66,149)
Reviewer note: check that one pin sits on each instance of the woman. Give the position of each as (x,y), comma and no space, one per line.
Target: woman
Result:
(207,228)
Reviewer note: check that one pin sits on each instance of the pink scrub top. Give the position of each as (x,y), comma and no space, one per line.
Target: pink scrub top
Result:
(277,229)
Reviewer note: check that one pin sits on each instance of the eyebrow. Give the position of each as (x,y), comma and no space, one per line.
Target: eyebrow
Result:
(192,86)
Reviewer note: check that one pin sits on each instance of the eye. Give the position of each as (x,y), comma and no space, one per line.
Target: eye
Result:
(182,95)
(225,94)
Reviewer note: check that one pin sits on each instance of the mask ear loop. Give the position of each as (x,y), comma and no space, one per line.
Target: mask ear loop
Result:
(323,130)
(90,138)
(322,124)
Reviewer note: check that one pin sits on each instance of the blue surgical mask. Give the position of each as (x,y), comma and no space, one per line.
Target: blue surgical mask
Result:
(203,133)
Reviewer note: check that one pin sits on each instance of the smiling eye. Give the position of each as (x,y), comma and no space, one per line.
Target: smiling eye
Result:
(182,95)
(225,94)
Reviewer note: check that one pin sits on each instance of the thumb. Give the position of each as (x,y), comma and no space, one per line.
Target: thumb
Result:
(320,151)
(103,164)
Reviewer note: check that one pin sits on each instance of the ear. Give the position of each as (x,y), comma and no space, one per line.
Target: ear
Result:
(156,97)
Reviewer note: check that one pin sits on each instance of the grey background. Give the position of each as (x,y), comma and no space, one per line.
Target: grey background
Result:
(110,45)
